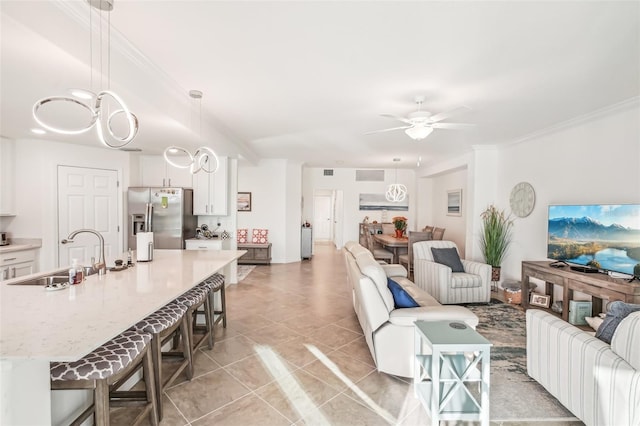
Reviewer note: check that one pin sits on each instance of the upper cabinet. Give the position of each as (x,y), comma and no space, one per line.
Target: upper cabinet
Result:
(211,191)
(7,193)
(154,171)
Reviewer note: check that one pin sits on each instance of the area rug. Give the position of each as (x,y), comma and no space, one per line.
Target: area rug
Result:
(514,395)
(244,270)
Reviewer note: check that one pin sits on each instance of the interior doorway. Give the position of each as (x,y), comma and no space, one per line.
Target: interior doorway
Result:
(328,212)
(87,198)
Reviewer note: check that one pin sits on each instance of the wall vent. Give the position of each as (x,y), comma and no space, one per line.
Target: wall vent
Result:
(369,175)
(328,172)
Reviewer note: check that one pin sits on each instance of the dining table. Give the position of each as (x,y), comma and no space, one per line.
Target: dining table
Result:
(39,326)
(396,244)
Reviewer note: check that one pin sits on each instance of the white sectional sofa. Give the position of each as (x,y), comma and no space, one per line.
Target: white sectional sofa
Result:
(597,382)
(389,332)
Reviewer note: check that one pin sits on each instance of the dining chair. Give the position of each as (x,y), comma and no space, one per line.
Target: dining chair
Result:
(414,237)
(438,233)
(379,252)
(388,228)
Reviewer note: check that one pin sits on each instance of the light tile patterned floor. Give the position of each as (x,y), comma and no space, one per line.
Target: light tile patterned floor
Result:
(293,354)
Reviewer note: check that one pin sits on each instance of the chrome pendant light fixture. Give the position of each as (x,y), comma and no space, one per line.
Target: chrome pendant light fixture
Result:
(396,192)
(204,159)
(105,106)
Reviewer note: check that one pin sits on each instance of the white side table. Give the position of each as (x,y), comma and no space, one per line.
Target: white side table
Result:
(452,382)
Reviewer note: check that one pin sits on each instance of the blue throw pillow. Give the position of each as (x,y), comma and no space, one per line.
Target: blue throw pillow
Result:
(616,312)
(401,299)
(448,256)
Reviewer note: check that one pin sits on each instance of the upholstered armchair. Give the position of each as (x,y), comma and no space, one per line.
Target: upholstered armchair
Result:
(453,280)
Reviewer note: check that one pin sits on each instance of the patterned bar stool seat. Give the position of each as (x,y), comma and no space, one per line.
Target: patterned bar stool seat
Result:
(164,324)
(104,370)
(214,284)
(194,299)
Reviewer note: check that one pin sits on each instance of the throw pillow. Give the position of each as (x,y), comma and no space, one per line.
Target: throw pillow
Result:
(260,236)
(594,322)
(242,235)
(449,257)
(401,299)
(616,312)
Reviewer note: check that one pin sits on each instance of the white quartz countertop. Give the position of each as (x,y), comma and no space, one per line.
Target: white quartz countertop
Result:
(21,244)
(67,324)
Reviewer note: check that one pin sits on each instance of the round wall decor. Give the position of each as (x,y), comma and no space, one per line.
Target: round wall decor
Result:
(522,199)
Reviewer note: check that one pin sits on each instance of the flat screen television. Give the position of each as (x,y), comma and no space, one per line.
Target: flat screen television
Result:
(602,236)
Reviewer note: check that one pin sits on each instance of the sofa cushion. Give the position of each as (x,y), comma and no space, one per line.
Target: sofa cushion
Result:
(394,270)
(626,340)
(616,312)
(464,280)
(401,299)
(371,268)
(449,257)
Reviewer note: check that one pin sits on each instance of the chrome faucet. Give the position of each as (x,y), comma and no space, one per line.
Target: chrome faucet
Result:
(101,265)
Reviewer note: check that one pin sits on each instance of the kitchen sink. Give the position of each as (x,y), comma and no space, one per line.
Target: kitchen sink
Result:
(44,281)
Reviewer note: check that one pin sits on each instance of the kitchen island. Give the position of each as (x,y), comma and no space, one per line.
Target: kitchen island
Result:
(38,326)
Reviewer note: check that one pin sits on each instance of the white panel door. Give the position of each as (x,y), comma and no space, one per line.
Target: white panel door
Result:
(87,198)
(322,221)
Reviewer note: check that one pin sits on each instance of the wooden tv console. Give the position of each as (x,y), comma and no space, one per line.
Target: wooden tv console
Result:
(598,286)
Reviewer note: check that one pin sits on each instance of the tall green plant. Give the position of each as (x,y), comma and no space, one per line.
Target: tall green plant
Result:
(496,235)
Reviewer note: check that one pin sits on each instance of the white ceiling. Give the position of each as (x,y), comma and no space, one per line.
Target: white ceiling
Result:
(306,80)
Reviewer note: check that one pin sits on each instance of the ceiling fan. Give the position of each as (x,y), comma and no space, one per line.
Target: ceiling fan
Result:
(421,123)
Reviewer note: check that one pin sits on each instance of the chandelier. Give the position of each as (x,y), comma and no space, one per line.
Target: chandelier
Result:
(204,158)
(396,192)
(104,106)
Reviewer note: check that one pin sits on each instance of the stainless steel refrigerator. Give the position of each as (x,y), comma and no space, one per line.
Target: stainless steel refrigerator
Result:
(167,212)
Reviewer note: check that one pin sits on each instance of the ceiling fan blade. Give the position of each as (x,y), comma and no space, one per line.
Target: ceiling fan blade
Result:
(387,130)
(404,120)
(451,125)
(447,114)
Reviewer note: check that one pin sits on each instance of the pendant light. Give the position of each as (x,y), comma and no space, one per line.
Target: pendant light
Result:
(396,192)
(105,106)
(204,158)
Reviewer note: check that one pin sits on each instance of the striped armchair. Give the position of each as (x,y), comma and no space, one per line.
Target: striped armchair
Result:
(597,382)
(471,286)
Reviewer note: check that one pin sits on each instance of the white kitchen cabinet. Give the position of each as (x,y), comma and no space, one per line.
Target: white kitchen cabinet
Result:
(17,264)
(155,171)
(211,191)
(7,194)
(198,244)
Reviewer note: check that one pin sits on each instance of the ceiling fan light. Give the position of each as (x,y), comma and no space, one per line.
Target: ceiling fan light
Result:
(396,193)
(418,132)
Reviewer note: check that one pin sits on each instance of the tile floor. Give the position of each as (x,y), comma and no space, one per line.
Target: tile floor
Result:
(293,353)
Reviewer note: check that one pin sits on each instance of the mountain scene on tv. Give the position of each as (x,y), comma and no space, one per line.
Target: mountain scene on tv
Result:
(605,237)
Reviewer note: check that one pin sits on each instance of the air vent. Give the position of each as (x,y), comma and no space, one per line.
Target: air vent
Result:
(369,175)
(328,172)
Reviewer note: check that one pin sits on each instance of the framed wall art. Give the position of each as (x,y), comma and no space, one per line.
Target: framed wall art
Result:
(454,202)
(244,201)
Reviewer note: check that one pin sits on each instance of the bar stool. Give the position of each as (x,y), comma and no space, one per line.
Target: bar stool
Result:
(194,299)
(104,370)
(214,284)
(165,323)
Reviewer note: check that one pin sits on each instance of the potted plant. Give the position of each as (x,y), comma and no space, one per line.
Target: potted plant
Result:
(400,223)
(495,238)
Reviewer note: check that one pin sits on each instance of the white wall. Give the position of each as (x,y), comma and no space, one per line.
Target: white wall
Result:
(275,205)
(344,179)
(433,201)
(594,160)
(36,187)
